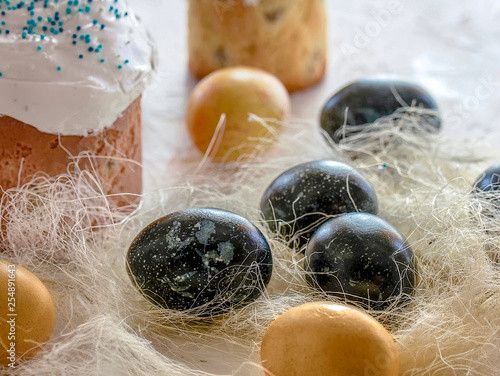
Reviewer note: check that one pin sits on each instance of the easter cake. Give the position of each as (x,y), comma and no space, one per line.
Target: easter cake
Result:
(285,37)
(71,78)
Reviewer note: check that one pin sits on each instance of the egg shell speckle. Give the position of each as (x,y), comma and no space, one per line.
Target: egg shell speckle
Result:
(200,259)
(297,201)
(325,339)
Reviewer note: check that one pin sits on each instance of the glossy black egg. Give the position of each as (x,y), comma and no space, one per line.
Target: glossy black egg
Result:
(487,187)
(361,258)
(489,180)
(365,101)
(204,260)
(299,200)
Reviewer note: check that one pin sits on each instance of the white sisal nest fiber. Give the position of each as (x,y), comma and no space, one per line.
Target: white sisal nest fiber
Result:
(105,327)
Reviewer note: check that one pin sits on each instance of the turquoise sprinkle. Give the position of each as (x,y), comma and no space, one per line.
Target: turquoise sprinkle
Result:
(49,22)
(1,74)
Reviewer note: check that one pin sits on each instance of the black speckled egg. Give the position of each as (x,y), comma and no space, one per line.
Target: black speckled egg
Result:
(297,201)
(489,179)
(362,258)
(367,100)
(203,260)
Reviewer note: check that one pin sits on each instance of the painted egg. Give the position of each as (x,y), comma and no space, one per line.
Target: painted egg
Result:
(361,258)
(27,314)
(236,92)
(298,200)
(367,100)
(487,186)
(325,339)
(489,179)
(201,260)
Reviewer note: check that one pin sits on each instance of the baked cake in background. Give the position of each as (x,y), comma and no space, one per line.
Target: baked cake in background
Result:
(285,37)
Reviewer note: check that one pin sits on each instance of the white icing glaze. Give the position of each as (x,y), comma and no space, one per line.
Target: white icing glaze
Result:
(85,95)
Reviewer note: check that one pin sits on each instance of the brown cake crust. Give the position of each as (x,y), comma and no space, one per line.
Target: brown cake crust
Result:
(285,37)
(24,151)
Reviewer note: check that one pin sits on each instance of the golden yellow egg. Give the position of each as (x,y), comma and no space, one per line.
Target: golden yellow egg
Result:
(326,339)
(236,92)
(27,314)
